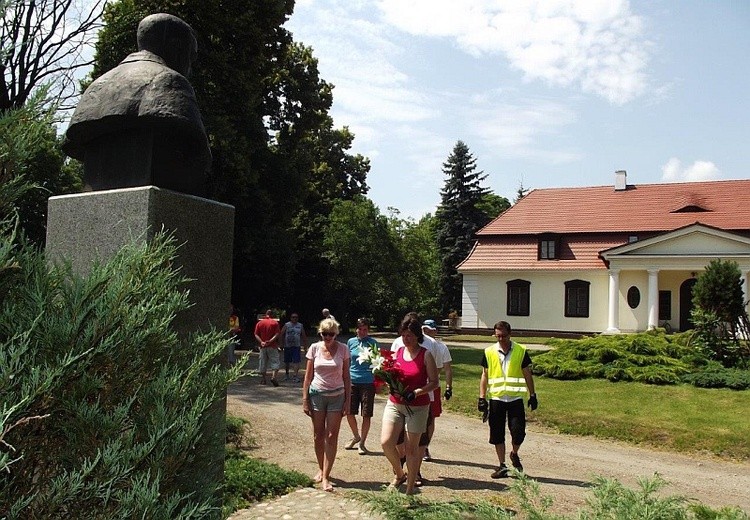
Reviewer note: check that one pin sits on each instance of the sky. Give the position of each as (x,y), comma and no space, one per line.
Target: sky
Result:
(545,93)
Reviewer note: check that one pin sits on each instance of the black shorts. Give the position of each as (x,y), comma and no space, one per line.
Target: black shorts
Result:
(362,397)
(516,415)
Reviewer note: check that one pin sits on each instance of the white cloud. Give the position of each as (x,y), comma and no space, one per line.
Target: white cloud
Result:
(514,129)
(673,171)
(597,45)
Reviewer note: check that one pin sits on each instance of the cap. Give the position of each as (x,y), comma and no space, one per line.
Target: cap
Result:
(429,324)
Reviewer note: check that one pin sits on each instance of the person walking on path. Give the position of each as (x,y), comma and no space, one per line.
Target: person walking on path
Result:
(293,338)
(506,377)
(443,362)
(408,411)
(325,396)
(266,334)
(363,387)
(430,344)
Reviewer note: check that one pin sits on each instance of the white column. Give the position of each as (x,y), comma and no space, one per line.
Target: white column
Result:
(745,288)
(653,298)
(613,318)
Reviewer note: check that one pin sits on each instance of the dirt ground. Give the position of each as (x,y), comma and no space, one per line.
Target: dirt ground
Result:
(563,465)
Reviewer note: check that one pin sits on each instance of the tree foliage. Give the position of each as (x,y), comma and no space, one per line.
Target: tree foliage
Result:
(721,323)
(356,241)
(103,407)
(459,216)
(29,150)
(42,43)
(492,205)
(416,241)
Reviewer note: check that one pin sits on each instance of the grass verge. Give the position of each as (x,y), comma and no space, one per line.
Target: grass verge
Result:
(679,418)
(609,500)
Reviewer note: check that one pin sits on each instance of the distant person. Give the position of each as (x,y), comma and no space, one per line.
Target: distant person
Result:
(409,412)
(506,377)
(327,314)
(363,387)
(267,332)
(293,338)
(443,362)
(325,396)
(235,331)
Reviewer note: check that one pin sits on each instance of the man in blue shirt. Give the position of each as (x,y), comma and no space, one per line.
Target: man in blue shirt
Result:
(363,387)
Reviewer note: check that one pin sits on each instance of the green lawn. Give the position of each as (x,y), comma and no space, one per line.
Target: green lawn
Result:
(679,418)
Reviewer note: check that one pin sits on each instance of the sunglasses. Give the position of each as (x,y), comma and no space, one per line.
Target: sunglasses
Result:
(327,334)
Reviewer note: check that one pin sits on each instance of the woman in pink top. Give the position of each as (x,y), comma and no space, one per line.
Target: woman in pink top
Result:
(325,395)
(420,378)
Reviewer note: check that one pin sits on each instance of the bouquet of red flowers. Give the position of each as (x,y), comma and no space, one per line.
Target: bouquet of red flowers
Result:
(385,369)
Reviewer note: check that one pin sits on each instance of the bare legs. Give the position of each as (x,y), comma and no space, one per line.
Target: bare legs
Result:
(388,440)
(500,450)
(326,437)
(356,432)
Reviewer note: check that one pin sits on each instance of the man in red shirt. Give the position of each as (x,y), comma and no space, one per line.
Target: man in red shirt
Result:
(267,333)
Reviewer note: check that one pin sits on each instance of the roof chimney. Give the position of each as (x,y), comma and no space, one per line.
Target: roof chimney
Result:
(621,178)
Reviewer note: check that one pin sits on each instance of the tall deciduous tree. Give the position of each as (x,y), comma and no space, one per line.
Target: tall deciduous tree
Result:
(364,261)
(459,216)
(418,291)
(42,43)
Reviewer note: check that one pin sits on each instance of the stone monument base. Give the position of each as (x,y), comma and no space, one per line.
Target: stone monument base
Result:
(91,227)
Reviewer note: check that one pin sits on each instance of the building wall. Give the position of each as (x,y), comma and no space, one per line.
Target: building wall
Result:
(547,301)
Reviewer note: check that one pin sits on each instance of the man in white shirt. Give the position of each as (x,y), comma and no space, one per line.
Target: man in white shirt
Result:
(443,361)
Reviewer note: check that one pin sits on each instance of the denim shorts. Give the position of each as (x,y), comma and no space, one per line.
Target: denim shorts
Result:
(327,403)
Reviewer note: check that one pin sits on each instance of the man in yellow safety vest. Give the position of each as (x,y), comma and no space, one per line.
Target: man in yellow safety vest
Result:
(506,377)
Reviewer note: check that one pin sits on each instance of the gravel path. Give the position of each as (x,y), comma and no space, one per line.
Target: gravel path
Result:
(463,460)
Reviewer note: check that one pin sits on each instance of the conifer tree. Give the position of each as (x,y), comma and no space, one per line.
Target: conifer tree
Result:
(459,216)
(721,322)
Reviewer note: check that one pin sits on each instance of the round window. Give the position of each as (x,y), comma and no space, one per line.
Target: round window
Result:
(634,297)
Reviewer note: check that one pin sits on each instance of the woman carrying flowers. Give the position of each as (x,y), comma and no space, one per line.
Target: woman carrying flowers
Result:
(409,402)
(325,395)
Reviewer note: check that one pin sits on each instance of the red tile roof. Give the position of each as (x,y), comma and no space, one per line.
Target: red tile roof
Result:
(520,253)
(641,208)
(598,218)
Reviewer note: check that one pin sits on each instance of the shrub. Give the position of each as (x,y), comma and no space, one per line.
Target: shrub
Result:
(720,378)
(247,480)
(104,409)
(647,357)
(235,431)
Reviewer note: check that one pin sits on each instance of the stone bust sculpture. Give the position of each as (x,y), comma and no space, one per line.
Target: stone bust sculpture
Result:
(139,123)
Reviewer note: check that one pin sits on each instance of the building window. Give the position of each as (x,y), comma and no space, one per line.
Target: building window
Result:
(518,297)
(548,248)
(634,297)
(577,299)
(632,238)
(665,305)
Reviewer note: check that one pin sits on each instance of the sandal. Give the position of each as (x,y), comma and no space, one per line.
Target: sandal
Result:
(397,482)
(419,481)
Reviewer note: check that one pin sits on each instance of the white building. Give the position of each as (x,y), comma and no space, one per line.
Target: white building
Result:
(604,259)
